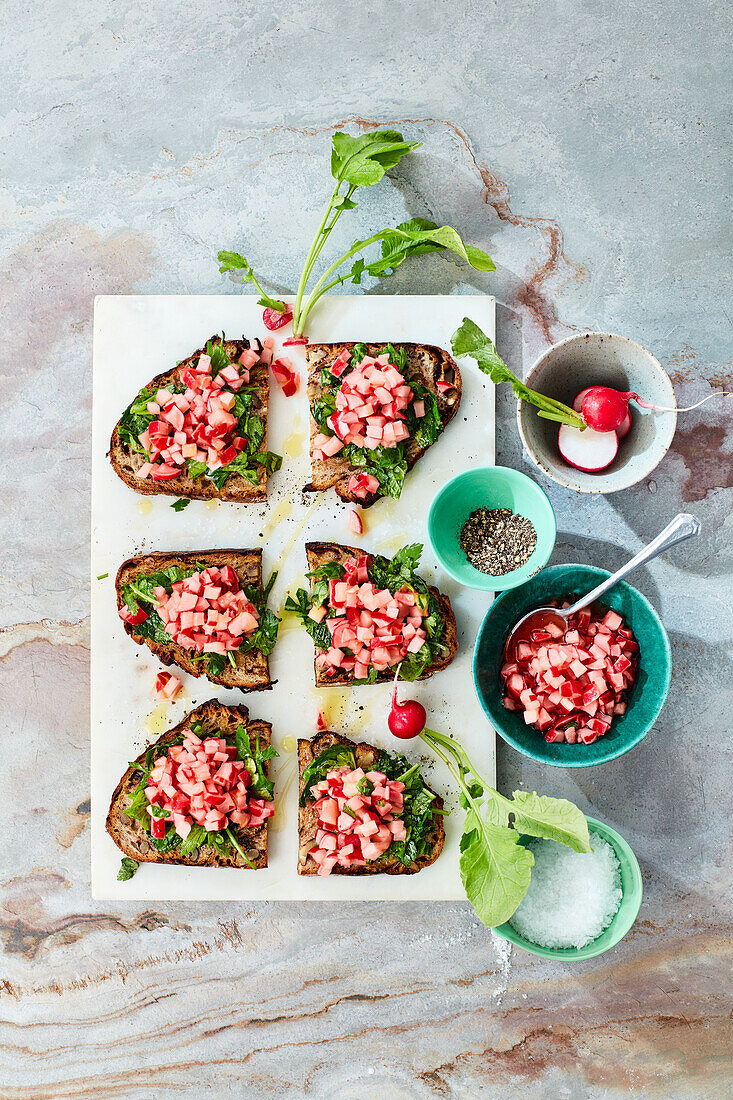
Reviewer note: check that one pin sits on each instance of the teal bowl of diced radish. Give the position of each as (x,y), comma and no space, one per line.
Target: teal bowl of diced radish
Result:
(627,883)
(624,674)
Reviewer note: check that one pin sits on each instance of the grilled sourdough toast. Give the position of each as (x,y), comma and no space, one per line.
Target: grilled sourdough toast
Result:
(251,671)
(425,365)
(130,836)
(366,757)
(126,461)
(319,553)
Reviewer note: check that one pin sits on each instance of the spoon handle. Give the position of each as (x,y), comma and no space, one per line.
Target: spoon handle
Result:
(683,526)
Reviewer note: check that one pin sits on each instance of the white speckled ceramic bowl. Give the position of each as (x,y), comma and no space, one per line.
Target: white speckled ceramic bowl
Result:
(600,359)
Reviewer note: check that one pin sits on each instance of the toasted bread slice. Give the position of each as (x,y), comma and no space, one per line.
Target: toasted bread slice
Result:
(426,364)
(129,835)
(126,462)
(366,757)
(252,670)
(318,553)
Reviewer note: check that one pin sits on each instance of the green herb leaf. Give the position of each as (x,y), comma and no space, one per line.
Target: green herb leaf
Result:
(233,261)
(128,868)
(362,161)
(180,504)
(550,818)
(196,468)
(301,605)
(495,871)
(166,843)
(470,340)
(230,834)
(195,839)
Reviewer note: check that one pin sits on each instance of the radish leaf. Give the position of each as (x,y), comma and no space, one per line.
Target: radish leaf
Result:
(550,818)
(232,261)
(495,866)
(495,871)
(470,340)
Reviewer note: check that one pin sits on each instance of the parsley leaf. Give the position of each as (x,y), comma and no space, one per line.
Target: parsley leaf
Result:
(180,504)
(128,868)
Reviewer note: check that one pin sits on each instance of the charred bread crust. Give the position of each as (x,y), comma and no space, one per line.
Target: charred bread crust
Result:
(366,756)
(252,672)
(131,838)
(318,553)
(125,462)
(426,364)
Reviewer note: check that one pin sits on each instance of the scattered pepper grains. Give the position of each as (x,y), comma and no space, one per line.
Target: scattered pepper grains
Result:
(496,540)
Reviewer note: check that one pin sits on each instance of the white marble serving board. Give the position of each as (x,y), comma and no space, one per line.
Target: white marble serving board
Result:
(137,337)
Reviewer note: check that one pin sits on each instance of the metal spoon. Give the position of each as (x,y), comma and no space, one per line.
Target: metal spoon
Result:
(684,526)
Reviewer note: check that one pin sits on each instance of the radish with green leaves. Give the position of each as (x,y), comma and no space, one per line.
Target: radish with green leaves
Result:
(590,431)
(495,867)
(359,162)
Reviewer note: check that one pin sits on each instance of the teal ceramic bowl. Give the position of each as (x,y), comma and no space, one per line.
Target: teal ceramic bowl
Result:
(489,487)
(647,695)
(628,910)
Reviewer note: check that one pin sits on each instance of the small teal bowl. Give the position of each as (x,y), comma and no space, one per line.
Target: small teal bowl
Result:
(647,696)
(489,487)
(628,910)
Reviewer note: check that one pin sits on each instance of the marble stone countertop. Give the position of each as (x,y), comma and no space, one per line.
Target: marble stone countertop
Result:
(587,148)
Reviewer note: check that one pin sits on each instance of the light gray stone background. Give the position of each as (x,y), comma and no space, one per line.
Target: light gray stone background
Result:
(586,146)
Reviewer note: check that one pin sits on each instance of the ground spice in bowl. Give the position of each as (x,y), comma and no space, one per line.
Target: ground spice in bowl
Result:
(497,540)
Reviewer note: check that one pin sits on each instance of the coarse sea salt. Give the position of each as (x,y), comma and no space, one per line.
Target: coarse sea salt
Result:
(572,896)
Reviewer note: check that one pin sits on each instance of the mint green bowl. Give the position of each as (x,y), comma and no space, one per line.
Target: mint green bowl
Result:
(628,910)
(646,698)
(489,487)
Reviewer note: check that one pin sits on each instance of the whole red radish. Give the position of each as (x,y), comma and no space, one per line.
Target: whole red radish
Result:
(607,410)
(406,720)
(604,409)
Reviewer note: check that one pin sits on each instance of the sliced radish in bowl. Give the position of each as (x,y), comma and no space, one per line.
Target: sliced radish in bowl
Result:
(587,450)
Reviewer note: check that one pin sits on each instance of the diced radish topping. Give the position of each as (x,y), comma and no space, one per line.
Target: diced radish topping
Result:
(198,424)
(295,341)
(207,612)
(362,485)
(368,626)
(132,617)
(359,816)
(371,403)
(167,686)
(287,379)
(355,523)
(569,685)
(203,782)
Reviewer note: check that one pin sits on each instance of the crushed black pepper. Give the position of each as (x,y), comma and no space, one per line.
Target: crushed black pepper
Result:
(497,540)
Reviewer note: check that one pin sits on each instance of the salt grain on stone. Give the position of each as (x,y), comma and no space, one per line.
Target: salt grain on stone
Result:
(572,896)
